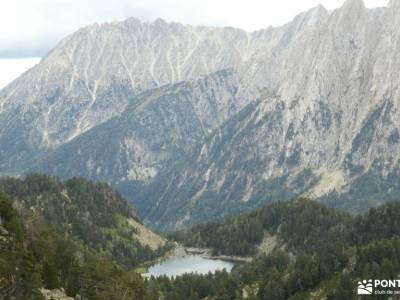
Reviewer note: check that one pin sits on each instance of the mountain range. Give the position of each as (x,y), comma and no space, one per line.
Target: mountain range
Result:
(196,123)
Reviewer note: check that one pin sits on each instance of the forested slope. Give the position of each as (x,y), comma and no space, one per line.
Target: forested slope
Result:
(92,214)
(302,226)
(319,253)
(34,256)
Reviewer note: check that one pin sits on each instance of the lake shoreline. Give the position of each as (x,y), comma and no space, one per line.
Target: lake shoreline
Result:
(181,260)
(206,253)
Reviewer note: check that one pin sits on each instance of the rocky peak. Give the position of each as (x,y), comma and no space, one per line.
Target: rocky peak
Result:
(351,11)
(316,14)
(394,4)
(159,22)
(353,5)
(393,10)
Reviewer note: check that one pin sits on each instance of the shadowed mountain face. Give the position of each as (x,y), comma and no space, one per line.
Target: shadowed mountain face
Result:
(208,122)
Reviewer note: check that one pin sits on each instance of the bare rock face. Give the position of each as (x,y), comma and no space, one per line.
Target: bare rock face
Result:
(90,75)
(158,127)
(325,126)
(212,121)
(56,294)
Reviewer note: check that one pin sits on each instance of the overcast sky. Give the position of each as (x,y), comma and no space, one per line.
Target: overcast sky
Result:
(30,28)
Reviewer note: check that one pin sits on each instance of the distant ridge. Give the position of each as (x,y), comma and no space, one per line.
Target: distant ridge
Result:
(205,122)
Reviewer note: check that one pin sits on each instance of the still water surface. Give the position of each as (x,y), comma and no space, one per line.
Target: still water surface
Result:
(178,265)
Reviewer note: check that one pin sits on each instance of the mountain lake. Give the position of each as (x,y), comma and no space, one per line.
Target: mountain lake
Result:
(181,263)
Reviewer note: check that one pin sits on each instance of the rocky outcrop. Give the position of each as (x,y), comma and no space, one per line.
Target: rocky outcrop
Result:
(56,294)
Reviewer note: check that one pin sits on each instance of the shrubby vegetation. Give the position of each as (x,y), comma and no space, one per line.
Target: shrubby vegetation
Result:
(89,213)
(33,255)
